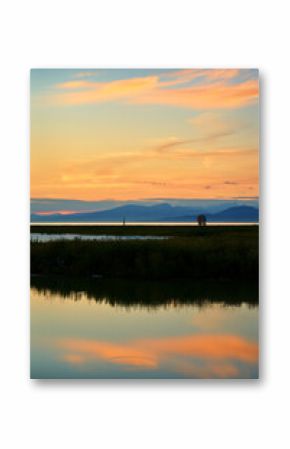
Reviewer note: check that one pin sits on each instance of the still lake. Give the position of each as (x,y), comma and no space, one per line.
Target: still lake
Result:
(88,328)
(42,237)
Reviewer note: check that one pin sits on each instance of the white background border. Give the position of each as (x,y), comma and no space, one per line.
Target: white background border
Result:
(139,414)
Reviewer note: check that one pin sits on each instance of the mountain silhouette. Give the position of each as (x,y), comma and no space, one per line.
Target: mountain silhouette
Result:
(240,213)
(162,212)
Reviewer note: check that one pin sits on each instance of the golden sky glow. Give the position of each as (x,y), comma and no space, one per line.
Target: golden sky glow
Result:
(137,134)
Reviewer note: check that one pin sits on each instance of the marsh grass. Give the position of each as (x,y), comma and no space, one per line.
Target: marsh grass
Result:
(209,253)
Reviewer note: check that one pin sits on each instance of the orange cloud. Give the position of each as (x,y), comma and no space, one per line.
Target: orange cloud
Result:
(207,346)
(85,92)
(119,354)
(215,351)
(81,84)
(186,75)
(61,212)
(75,359)
(212,96)
(213,90)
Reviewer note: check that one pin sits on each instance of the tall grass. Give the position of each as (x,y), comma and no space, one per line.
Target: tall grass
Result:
(224,254)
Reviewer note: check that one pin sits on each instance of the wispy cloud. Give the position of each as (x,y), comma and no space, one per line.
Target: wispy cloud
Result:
(215,355)
(123,153)
(209,127)
(84,92)
(219,95)
(170,143)
(198,89)
(84,74)
(158,168)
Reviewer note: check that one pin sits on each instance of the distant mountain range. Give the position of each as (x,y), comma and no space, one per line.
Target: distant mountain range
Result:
(162,212)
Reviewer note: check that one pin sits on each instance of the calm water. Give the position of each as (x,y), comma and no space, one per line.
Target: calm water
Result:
(118,329)
(41,237)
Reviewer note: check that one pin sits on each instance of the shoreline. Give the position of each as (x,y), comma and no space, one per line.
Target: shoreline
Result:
(142,230)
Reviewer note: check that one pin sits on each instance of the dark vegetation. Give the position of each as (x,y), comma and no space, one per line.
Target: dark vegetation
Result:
(142,230)
(122,292)
(194,253)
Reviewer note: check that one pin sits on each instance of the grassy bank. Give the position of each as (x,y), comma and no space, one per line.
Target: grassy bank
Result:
(210,253)
(143,230)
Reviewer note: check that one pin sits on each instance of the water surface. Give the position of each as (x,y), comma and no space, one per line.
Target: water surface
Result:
(84,328)
(42,237)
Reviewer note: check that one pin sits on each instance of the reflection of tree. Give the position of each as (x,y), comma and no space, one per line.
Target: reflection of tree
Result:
(148,293)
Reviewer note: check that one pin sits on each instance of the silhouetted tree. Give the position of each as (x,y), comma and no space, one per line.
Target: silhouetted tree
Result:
(201,220)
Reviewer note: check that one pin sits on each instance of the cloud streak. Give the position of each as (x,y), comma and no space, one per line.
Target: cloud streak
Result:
(192,355)
(195,89)
(201,139)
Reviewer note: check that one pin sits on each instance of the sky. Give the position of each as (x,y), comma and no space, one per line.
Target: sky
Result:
(130,134)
